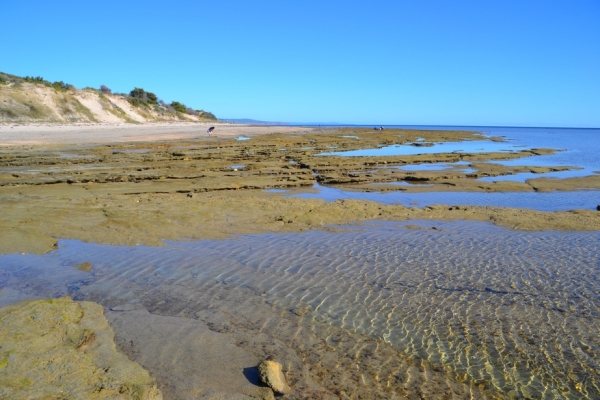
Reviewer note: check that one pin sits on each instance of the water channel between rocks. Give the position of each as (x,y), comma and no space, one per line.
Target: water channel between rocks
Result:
(513,313)
(577,148)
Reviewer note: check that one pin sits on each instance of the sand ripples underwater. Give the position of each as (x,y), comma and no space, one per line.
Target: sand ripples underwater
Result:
(505,313)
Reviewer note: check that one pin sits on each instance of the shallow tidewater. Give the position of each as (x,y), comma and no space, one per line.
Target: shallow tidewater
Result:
(508,313)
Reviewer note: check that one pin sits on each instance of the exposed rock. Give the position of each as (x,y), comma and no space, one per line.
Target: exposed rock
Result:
(598,207)
(85,267)
(426,144)
(128,204)
(300,311)
(272,376)
(123,307)
(60,348)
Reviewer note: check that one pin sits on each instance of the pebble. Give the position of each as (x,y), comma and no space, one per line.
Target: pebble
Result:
(272,376)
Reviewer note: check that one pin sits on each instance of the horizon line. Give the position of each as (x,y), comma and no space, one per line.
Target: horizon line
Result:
(275,123)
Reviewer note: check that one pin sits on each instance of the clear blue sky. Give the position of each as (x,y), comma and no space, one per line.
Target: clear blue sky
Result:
(528,63)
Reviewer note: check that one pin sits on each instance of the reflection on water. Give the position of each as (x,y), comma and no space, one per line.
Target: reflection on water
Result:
(506,312)
(276,191)
(461,166)
(549,201)
(469,146)
(524,176)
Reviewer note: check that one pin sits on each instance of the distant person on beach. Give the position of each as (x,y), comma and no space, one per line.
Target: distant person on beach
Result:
(210,131)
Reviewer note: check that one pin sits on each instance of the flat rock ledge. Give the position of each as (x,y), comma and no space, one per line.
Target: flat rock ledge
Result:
(271,374)
(60,348)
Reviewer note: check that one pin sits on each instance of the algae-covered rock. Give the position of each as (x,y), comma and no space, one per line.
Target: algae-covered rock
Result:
(60,348)
(272,375)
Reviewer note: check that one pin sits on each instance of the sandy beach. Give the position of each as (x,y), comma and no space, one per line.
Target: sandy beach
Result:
(12,134)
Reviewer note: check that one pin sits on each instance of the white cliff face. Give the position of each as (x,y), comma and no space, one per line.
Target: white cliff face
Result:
(34,102)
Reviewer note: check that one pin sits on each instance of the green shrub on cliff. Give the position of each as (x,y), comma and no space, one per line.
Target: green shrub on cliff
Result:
(139,96)
(179,107)
(61,86)
(37,79)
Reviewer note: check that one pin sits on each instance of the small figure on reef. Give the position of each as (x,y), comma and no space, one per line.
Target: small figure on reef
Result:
(378,129)
(210,131)
(381,128)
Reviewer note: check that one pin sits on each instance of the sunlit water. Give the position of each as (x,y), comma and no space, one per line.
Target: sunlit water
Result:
(524,176)
(516,312)
(472,146)
(546,201)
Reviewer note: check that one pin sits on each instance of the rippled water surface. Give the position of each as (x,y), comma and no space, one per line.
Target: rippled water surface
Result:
(515,313)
